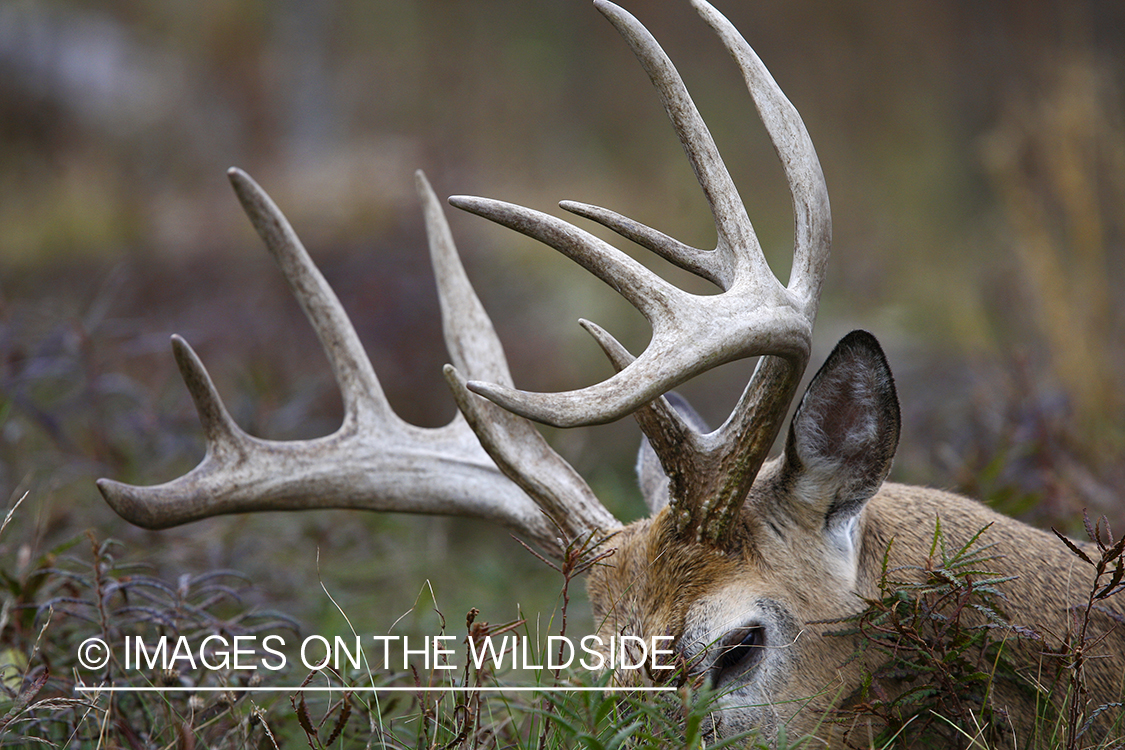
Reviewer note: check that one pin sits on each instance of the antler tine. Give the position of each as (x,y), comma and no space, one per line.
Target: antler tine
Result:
(359,386)
(726,331)
(659,421)
(645,290)
(375,461)
(518,449)
(525,457)
(470,337)
(685,256)
(794,147)
(737,243)
(223,435)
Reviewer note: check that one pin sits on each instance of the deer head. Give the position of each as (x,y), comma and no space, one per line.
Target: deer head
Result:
(739,558)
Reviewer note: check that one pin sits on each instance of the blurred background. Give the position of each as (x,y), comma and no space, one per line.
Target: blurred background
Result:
(975,154)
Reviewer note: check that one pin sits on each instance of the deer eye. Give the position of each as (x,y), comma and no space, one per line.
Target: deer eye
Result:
(740,651)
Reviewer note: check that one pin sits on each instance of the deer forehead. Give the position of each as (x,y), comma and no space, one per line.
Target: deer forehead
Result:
(656,584)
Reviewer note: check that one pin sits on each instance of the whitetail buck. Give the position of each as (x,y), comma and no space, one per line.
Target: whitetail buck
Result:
(742,560)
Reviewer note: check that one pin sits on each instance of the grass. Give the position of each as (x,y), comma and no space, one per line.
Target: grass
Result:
(84,589)
(939,629)
(942,637)
(946,652)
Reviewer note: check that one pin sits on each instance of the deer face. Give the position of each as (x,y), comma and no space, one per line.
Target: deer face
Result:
(743,613)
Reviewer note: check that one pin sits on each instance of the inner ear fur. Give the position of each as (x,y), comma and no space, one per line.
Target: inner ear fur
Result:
(844,434)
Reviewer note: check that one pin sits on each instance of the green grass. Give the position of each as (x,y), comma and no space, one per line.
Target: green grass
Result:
(85,589)
(938,633)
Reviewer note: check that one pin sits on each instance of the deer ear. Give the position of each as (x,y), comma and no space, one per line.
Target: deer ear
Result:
(650,474)
(843,437)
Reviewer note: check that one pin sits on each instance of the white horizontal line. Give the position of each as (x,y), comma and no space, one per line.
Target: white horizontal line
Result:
(385,689)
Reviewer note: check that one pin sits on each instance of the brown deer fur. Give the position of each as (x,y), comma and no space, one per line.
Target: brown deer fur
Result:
(784,571)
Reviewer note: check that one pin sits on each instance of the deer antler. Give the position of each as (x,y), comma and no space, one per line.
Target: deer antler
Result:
(375,461)
(753,315)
